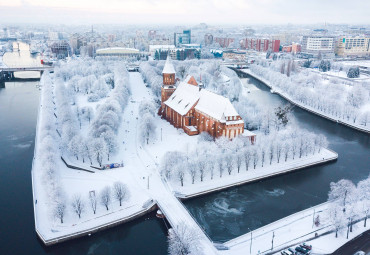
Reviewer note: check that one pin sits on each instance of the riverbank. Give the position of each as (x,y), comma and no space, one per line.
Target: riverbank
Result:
(252,175)
(293,230)
(307,108)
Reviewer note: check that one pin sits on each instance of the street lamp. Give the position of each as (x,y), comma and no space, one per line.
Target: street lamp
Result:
(250,247)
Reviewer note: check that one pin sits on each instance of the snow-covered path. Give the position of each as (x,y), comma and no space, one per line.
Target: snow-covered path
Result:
(144,167)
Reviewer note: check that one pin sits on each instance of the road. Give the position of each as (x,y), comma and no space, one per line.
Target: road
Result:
(360,243)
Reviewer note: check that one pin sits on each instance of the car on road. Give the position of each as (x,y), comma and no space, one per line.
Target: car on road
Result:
(359,253)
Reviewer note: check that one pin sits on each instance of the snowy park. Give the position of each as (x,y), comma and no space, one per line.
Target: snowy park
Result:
(103,156)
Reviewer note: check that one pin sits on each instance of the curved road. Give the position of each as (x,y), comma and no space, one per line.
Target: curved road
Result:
(360,243)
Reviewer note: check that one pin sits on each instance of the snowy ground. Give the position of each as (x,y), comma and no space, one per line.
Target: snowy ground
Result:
(365,63)
(311,109)
(292,230)
(342,75)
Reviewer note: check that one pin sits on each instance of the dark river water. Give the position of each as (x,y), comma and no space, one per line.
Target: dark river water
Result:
(224,215)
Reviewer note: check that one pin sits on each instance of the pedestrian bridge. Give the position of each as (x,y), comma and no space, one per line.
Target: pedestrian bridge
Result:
(24,69)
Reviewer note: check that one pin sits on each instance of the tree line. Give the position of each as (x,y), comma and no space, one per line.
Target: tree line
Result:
(333,99)
(224,157)
(349,203)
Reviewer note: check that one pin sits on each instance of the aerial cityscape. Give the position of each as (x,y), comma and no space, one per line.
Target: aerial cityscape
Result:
(185,127)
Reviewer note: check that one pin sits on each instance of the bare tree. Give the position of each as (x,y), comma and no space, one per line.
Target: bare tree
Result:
(239,160)
(120,191)
(263,152)
(183,240)
(279,148)
(181,174)
(363,191)
(286,149)
(105,197)
(229,163)
(255,158)
(271,152)
(211,167)
(192,171)
(220,162)
(93,201)
(59,210)
(201,166)
(294,148)
(247,158)
(78,205)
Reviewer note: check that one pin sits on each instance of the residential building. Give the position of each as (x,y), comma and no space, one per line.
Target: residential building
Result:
(296,48)
(224,42)
(353,46)
(258,44)
(315,44)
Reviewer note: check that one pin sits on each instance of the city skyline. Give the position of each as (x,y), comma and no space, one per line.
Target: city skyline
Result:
(184,12)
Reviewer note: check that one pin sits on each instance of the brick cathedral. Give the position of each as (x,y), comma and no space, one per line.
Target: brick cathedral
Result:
(195,109)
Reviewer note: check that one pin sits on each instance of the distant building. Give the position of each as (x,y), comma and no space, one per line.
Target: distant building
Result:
(353,46)
(160,48)
(208,39)
(152,34)
(258,44)
(315,44)
(182,38)
(296,48)
(188,51)
(197,110)
(287,48)
(120,52)
(224,42)
(60,49)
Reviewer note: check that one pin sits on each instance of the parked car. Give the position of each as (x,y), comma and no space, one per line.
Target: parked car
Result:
(359,253)
(290,251)
(301,250)
(306,246)
(284,253)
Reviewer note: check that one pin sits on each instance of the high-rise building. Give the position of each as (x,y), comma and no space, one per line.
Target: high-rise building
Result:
(353,46)
(182,38)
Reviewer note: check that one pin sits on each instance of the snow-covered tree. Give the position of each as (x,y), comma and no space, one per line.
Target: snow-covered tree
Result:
(105,197)
(183,240)
(120,192)
(78,205)
(93,201)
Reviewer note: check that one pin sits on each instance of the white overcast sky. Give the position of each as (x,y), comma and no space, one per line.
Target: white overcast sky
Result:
(185,11)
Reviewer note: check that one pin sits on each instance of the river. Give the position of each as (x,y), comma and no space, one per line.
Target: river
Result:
(224,215)
(231,213)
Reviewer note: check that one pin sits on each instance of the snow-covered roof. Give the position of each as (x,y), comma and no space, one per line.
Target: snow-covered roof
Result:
(168,67)
(184,98)
(216,106)
(117,50)
(248,133)
(187,78)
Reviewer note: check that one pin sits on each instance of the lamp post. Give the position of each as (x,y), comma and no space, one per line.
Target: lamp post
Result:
(250,247)
(272,241)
